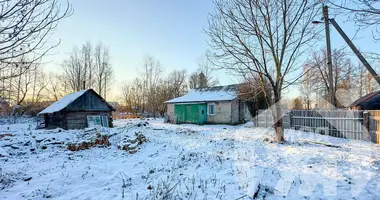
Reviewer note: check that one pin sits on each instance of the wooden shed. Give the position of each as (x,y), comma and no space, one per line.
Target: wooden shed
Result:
(370,101)
(77,110)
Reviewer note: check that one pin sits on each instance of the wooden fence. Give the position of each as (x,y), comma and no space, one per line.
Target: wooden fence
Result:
(352,124)
(374,125)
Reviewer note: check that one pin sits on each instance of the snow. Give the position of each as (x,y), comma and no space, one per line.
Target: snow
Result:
(186,162)
(204,96)
(63,102)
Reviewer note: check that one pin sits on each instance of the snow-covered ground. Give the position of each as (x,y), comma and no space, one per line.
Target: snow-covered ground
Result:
(185,162)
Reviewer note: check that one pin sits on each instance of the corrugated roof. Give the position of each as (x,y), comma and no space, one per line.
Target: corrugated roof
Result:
(218,93)
(63,102)
(365,98)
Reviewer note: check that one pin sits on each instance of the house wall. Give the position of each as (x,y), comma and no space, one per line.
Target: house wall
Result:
(72,120)
(170,113)
(226,112)
(222,113)
(241,110)
(55,120)
(235,112)
(78,120)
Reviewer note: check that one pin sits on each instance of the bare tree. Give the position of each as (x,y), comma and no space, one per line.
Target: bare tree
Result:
(253,96)
(89,68)
(18,81)
(23,85)
(306,88)
(206,77)
(26,26)
(297,104)
(103,68)
(74,70)
(364,13)
(149,91)
(151,76)
(176,82)
(39,85)
(193,80)
(56,87)
(265,38)
(343,74)
(128,96)
(203,77)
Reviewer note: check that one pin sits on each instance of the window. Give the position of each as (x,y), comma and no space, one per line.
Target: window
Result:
(94,120)
(211,109)
(105,121)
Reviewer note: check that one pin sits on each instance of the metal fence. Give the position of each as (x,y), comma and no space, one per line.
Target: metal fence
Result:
(350,124)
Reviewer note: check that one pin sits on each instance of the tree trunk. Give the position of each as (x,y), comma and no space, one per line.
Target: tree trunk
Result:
(277,119)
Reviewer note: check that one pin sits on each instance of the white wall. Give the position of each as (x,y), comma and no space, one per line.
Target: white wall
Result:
(222,113)
(170,112)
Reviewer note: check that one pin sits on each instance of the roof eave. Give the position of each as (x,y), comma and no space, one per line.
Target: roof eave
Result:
(201,101)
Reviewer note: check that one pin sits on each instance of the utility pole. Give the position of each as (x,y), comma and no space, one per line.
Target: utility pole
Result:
(329,62)
(356,51)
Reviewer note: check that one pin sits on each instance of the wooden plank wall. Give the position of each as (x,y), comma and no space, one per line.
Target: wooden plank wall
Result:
(56,120)
(78,120)
(374,125)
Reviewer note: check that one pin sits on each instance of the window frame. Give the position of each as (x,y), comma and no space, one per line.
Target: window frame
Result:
(104,119)
(94,119)
(208,108)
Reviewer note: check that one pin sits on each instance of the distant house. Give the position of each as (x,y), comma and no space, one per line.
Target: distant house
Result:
(214,105)
(77,110)
(114,104)
(370,101)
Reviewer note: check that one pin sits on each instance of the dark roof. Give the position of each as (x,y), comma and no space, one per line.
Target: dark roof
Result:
(68,99)
(365,98)
(114,103)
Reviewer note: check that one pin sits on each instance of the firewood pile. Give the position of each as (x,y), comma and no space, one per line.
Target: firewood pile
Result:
(100,141)
(132,146)
(6,135)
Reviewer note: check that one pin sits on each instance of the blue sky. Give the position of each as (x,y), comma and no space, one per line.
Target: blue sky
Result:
(170,30)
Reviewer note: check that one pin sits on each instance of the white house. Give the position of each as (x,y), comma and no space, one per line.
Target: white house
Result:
(214,105)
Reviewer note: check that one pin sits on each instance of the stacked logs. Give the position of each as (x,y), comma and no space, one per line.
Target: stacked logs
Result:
(100,140)
(132,146)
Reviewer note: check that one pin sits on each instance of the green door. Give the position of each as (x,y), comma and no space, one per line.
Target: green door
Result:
(189,113)
(202,113)
(179,112)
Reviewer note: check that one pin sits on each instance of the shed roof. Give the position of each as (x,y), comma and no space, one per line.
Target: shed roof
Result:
(218,93)
(365,98)
(67,100)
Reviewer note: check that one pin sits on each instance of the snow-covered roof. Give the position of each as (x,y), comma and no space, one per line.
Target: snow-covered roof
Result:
(63,102)
(218,93)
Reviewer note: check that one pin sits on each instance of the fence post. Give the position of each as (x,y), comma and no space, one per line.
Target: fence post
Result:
(366,131)
(290,114)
